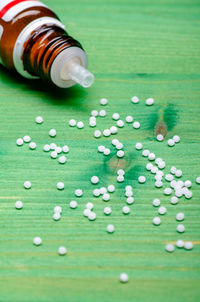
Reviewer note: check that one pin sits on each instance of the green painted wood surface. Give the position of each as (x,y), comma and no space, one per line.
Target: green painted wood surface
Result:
(144,48)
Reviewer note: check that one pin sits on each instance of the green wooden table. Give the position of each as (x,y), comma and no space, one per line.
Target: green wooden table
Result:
(135,47)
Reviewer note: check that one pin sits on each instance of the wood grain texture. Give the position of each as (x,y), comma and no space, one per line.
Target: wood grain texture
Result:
(135,47)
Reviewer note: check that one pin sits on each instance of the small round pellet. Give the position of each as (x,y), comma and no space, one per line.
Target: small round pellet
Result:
(54,154)
(94,180)
(123,276)
(198,180)
(158,184)
(106,197)
(101,148)
(173,184)
(167,191)
(158,177)
(188,183)
(72,123)
(56,216)
(169,247)
(106,132)
(73,204)
(19,141)
(174,200)
(78,192)
(128,187)
(130,200)
(162,210)
(138,146)
(170,142)
(128,193)
(39,119)
(180,243)
(129,119)
(106,151)
(18,205)
(57,209)
(154,170)
(149,101)
(115,142)
(178,173)
(62,159)
(115,116)
(80,125)
(180,228)
(160,173)
(156,220)
(173,170)
(65,149)
(176,138)
(158,160)
(120,178)
(134,99)
(32,145)
(161,165)
(97,133)
(119,146)
(52,146)
(86,212)
(188,245)
(178,192)
(113,130)
(120,172)
(111,188)
(120,123)
(169,177)
(96,192)
(156,202)
(92,123)
(136,125)
(92,216)
(103,101)
(188,194)
(160,137)
(145,153)
(126,210)
(110,228)
(102,113)
(37,241)
(60,185)
(120,153)
(149,166)
(141,179)
(62,250)
(58,149)
(52,132)
(89,205)
(107,211)
(46,148)
(151,156)
(27,138)
(27,184)
(94,113)
(180,216)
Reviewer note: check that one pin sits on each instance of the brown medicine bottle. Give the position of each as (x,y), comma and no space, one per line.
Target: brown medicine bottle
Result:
(34,42)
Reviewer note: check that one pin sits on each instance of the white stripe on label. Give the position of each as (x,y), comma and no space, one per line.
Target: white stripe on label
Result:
(4,3)
(13,11)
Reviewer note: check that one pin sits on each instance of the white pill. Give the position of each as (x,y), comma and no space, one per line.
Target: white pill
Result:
(32,145)
(120,123)
(130,200)
(149,101)
(86,212)
(120,153)
(178,173)
(198,180)
(58,149)
(188,245)
(19,141)
(46,148)
(188,194)
(62,250)
(169,177)
(27,138)
(138,146)
(115,116)
(180,228)
(149,166)
(73,204)
(179,192)
(141,179)
(129,119)
(92,216)
(145,152)
(128,188)
(161,165)
(52,132)
(119,146)
(107,211)
(60,185)
(111,188)
(120,172)
(126,210)
(135,99)
(39,119)
(106,197)
(102,113)
(176,138)
(56,216)
(188,183)
(94,180)
(78,192)
(18,205)
(101,148)
(96,192)
(97,133)
(158,177)
(62,159)
(72,123)
(167,191)
(156,220)
(170,142)
(173,170)
(128,193)
(106,132)
(162,210)
(89,205)
(115,142)
(65,149)
(158,184)
(106,151)
(169,247)
(110,228)
(52,146)
(120,178)
(27,184)
(37,241)
(94,113)
(156,202)
(180,216)
(136,125)
(154,170)
(80,125)
(180,243)
(158,160)
(160,137)
(54,154)
(103,190)
(123,278)
(151,156)
(57,209)
(92,123)
(103,101)
(113,130)
(174,200)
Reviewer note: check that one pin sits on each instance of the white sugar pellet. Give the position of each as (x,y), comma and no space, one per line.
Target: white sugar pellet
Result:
(188,183)
(72,123)
(149,166)
(92,216)
(138,146)
(119,146)
(92,122)
(167,191)
(80,125)
(19,141)
(154,170)
(115,142)
(113,130)
(173,170)
(160,137)
(128,193)
(174,200)
(54,154)
(136,125)
(27,184)
(101,148)
(128,187)
(107,211)
(180,243)
(198,180)
(129,119)
(57,209)
(178,192)
(78,192)
(62,250)
(188,194)
(120,178)
(161,165)
(134,99)
(52,132)
(145,152)
(120,123)
(170,142)
(162,210)
(115,116)
(58,149)
(180,228)
(60,185)
(94,179)
(52,146)
(156,202)
(173,184)
(97,133)
(103,190)
(169,247)
(32,145)
(149,101)
(86,212)
(156,220)
(180,216)
(103,101)
(106,132)
(106,197)
(94,113)
(89,205)
(141,179)
(158,160)
(158,177)
(65,149)
(46,148)
(160,173)
(188,245)
(120,153)
(96,192)
(151,156)
(37,241)
(62,159)
(169,177)
(102,113)
(27,138)
(178,173)
(130,200)
(18,205)
(176,138)
(158,184)
(123,277)
(110,228)
(111,188)
(56,216)
(126,210)
(120,172)
(73,204)
(106,151)
(39,119)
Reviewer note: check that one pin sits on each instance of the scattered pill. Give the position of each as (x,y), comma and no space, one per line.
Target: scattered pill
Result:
(169,177)
(156,202)
(151,156)
(161,165)
(65,149)
(158,184)
(188,245)
(176,138)
(120,178)
(18,205)
(52,146)
(39,119)
(129,119)
(58,149)
(62,250)
(103,101)
(170,142)
(120,172)
(106,132)
(94,113)
(80,125)
(92,216)
(180,243)
(160,137)
(180,216)
(62,159)
(120,123)
(96,192)
(106,197)
(169,247)
(145,153)
(115,116)
(56,216)
(113,130)
(198,180)
(94,180)
(180,228)
(19,141)
(111,188)
(106,151)
(136,125)
(46,148)
(54,154)
(149,166)
(110,228)
(102,113)
(128,193)
(37,241)
(27,138)
(78,192)
(52,132)
(174,200)
(73,204)
(173,170)
(154,170)
(178,173)
(72,123)
(60,185)
(32,145)
(188,183)
(97,133)
(138,146)
(101,148)
(86,212)
(120,153)
(149,101)
(162,210)
(141,179)
(89,205)
(115,142)
(27,184)
(92,122)
(167,191)
(156,220)
(123,277)
(135,99)
(130,200)
(126,210)
(107,211)
(57,209)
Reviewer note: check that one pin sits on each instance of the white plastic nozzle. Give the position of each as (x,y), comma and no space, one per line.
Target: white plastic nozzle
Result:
(80,75)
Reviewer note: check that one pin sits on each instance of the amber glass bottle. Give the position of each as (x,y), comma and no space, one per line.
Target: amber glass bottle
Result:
(35,43)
